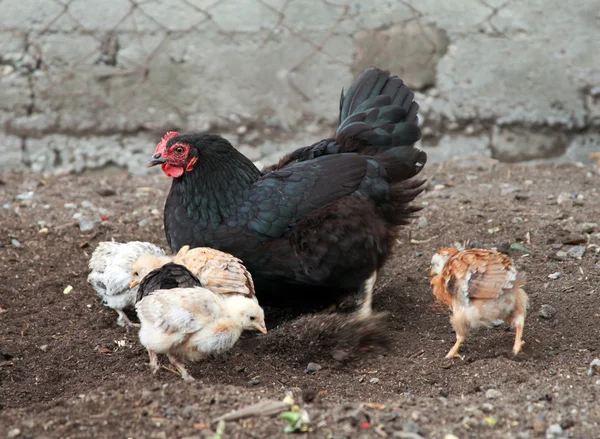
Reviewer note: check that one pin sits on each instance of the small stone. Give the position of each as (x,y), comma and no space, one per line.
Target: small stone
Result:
(253,383)
(553,431)
(422,222)
(188,411)
(87,204)
(539,424)
(564,198)
(503,247)
(493,394)
(521,197)
(487,407)
(561,255)
(547,311)
(13,433)
(85,224)
(587,227)
(450,436)
(144,222)
(241,130)
(44,347)
(554,275)
(106,192)
(577,252)
(374,380)
(313,367)
(594,367)
(69,205)
(15,243)
(25,196)
(147,396)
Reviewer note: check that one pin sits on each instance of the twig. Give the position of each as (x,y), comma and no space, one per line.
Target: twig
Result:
(263,408)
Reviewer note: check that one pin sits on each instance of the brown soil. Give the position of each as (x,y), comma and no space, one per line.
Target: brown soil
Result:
(67,370)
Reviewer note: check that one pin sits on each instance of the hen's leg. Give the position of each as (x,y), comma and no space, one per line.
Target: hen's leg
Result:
(153,360)
(180,367)
(367,293)
(519,319)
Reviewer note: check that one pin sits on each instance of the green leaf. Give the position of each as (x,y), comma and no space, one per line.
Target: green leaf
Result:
(519,247)
(290,416)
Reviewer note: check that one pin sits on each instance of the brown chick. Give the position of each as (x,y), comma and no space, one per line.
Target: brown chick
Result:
(217,271)
(480,287)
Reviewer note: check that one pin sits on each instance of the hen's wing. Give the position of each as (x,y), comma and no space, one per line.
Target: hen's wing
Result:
(167,277)
(481,274)
(181,310)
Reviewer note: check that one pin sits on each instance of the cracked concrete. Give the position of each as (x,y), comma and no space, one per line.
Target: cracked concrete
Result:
(84,87)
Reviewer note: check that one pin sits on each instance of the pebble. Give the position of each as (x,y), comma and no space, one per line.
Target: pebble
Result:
(422,222)
(450,436)
(374,380)
(313,367)
(587,227)
(15,243)
(144,222)
(7,206)
(13,433)
(577,252)
(554,275)
(188,411)
(147,396)
(85,224)
(44,347)
(564,198)
(487,407)
(25,196)
(594,367)
(253,383)
(539,424)
(553,431)
(493,394)
(547,311)
(561,255)
(106,192)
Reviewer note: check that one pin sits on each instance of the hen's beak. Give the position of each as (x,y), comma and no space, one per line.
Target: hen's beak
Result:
(261,327)
(134,283)
(157,159)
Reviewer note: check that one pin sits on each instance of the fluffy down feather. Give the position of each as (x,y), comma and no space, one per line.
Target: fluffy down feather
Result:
(188,324)
(110,273)
(480,287)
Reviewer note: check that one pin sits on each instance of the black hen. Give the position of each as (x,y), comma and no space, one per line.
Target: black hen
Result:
(167,277)
(318,225)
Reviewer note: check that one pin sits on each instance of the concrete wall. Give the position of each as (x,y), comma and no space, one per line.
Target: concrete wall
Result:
(90,83)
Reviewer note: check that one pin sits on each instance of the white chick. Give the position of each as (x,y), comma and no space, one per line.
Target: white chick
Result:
(188,324)
(110,273)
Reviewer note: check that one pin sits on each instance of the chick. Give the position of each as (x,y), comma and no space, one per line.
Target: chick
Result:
(219,272)
(187,324)
(110,274)
(168,276)
(480,287)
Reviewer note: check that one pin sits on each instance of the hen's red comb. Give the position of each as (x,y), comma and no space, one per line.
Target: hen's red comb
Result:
(163,142)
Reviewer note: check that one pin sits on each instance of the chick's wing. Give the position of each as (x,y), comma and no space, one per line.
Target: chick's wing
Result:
(184,310)
(481,274)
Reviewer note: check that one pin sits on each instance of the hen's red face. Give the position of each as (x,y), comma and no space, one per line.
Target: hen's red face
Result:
(174,159)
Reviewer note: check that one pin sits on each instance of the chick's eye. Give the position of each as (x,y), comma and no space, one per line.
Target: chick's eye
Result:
(135,274)
(252,318)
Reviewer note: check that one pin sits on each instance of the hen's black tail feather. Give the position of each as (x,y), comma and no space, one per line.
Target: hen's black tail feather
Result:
(377,113)
(399,210)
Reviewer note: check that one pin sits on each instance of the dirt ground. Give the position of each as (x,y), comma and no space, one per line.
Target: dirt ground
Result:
(67,370)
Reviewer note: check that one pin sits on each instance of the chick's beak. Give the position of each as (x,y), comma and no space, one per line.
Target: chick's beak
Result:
(261,327)
(432,273)
(134,283)
(157,159)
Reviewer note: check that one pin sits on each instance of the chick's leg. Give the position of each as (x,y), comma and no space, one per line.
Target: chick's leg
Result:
(367,292)
(180,367)
(460,325)
(153,360)
(519,319)
(123,320)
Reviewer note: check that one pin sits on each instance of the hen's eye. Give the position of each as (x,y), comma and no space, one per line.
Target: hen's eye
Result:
(179,150)
(252,318)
